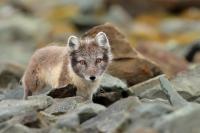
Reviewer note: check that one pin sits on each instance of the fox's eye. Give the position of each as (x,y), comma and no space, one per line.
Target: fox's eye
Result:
(82,62)
(99,60)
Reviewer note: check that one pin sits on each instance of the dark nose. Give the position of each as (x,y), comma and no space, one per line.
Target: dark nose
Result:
(92,78)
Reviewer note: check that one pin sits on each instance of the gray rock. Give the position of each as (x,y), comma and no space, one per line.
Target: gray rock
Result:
(84,112)
(16,128)
(157,100)
(112,118)
(20,27)
(184,120)
(175,26)
(24,119)
(111,89)
(86,6)
(145,115)
(10,74)
(46,119)
(70,121)
(119,16)
(86,21)
(10,108)
(174,98)
(112,82)
(37,102)
(138,89)
(88,111)
(15,93)
(61,106)
(186,84)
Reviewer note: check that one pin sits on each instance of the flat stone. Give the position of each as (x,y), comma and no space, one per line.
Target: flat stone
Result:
(145,115)
(15,93)
(143,86)
(16,128)
(184,120)
(112,83)
(74,118)
(174,98)
(186,84)
(61,106)
(156,100)
(11,108)
(113,117)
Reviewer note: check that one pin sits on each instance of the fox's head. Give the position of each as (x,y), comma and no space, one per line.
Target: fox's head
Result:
(89,57)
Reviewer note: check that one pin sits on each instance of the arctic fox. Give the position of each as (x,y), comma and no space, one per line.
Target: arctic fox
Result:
(81,63)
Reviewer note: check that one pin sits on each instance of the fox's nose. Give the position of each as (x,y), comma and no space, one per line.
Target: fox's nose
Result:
(92,78)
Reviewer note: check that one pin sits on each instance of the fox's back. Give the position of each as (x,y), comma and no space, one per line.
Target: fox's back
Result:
(49,56)
(47,64)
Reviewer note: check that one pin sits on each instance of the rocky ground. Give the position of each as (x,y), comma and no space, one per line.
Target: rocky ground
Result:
(156,105)
(152,85)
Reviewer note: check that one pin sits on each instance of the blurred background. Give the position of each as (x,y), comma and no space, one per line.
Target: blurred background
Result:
(166,31)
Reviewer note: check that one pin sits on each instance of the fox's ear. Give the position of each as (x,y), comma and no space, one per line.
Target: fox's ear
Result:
(102,40)
(73,43)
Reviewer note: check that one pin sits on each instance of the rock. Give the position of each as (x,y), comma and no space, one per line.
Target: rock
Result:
(128,64)
(88,111)
(85,6)
(142,130)
(186,84)
(119,16)
(29,119)
(111,89)
(15,93)
(19,27)
(84,22)
(106,98)
(144,7)
(166,60)
(19,35)
(142,87)
(174,98)
(34,120)
(74,118)
(112,118)
(16,128)
(149,89)
(178,25)
(69,121)
(144,116)
(197,100)
(10,108)
(157,100)
(45,118)
(10,74)
(61,106)
(67,91)
(112,83)
(178,121)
